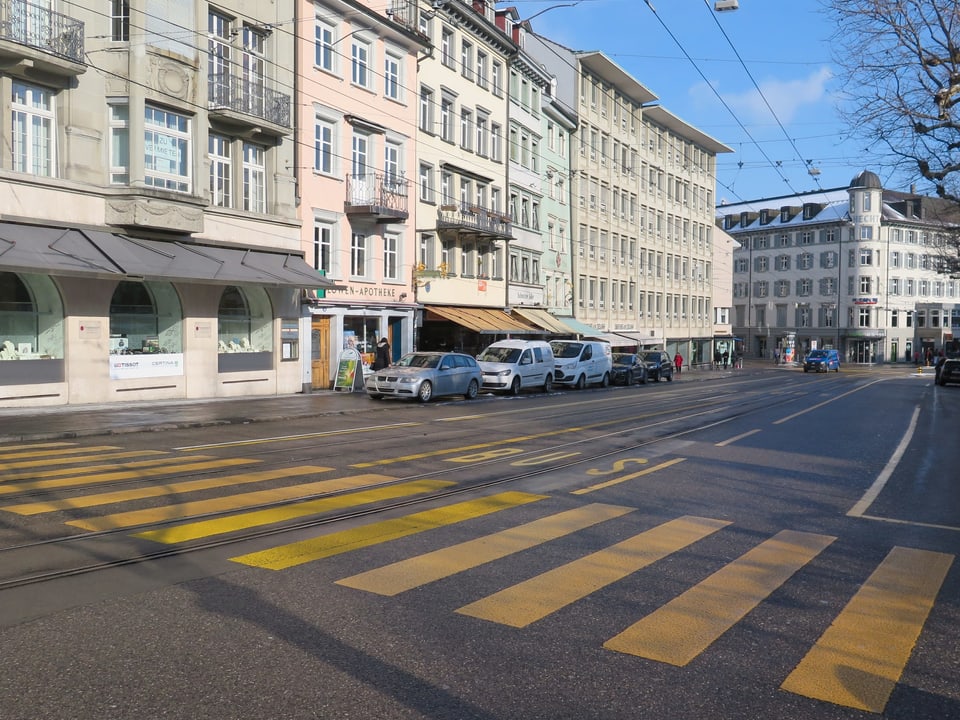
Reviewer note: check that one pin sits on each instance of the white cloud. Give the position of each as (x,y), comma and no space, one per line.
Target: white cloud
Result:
(786,97)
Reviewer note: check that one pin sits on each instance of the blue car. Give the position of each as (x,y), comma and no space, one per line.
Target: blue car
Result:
(822,361)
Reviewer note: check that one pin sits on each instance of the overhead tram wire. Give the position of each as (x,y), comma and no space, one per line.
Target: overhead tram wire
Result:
(723,102)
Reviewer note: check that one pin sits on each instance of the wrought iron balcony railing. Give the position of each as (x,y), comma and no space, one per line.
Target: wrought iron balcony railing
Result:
(228,91)
(41,28)
(473,217)
(383,195)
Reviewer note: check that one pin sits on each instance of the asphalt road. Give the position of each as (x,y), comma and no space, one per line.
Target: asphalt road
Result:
(774,545)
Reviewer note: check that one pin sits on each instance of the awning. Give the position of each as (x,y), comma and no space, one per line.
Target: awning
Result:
(86,253)
(615,340)
(548,322)
(486,321)
(645,339)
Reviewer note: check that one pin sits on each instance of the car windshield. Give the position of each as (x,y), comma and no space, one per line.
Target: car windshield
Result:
(622,359)
(817,354)
(500,354)
(420,360)
(566,349)
(651,357)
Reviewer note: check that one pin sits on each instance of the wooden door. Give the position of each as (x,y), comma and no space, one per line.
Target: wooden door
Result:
(320,353)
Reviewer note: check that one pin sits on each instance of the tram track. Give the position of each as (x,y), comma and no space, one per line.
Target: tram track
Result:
(695,417)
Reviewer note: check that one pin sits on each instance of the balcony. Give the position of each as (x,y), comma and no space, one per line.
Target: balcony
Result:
(383,197)
(404,12)
(474,220)
(236,101)
(35,37)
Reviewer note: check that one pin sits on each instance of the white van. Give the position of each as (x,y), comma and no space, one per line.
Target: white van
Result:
(512,365)
(582,362)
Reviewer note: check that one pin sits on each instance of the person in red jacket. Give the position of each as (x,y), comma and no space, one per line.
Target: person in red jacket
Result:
(678,362)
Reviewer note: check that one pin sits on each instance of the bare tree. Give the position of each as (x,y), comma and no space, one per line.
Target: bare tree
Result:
(900,73)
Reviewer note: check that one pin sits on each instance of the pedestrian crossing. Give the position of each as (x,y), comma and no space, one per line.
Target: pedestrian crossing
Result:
(857,662)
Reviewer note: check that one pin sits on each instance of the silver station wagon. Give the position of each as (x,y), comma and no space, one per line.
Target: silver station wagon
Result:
(425,375)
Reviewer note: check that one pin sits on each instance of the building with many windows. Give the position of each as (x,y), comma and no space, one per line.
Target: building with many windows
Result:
(642,218)
(149,244)
(356,149)
(851,268)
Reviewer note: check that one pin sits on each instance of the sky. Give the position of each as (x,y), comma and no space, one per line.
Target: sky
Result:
(759,79)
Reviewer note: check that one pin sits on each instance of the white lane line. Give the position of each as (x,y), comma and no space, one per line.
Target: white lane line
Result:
(861,507)
(741,436)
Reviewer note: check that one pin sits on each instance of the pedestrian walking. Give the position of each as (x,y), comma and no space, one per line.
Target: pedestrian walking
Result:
(678,362)
(726,359)
(776,356)
(382,358)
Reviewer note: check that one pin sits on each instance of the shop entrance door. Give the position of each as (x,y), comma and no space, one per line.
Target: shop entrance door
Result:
(320,353)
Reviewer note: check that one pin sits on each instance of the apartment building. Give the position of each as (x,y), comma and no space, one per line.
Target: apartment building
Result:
(643,187)
(852,268)
(149,242)
(464,223)
(356,160)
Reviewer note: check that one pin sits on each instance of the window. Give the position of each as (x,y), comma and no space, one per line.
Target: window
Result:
(244,322)
(426,183)
(34,130)
(466,129)
(496,79)
(446,119)
(324,34)
(425,251)
(323,234)
(426,109)
(323,156)
(119,120)
(360,64)
(358,255)
(392,77)
(446,48)
(393,175)
(866,256)
(466,59)
(481,76)
(120,20)
(863,317)
(221,179)
(166,149)
(254,178)
(866,232)
(391,262)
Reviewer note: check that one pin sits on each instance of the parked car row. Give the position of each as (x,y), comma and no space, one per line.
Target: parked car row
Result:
(511,366)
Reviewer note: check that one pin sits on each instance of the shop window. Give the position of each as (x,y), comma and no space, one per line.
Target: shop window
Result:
(145,318)
(31,318)
(244,330)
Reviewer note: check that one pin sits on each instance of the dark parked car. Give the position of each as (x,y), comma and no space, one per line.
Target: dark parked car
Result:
(948,371)
(628,369)
(659,365)
(424,375)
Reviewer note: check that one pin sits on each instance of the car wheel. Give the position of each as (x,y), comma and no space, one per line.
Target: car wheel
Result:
(425,392)
(515,386)
(548,384)
(472,389)
(804,369)
(373,396)
(581,382)
(605,382)
(670,377)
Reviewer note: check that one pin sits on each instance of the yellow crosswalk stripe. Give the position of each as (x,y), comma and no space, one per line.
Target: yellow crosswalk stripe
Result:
(28,446)
(683,628)
(534,599)
(414,572)
(46,452)
(148,468)
(179,488)
(859,659)
(297,553)
(75,460)
(240,501)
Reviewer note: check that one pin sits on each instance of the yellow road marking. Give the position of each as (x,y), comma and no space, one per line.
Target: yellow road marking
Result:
(144,470)
(187,486)
(50,453)
(241,501)
(859,659)
(28,446)
(72,461)
(306,551)
(624,478)
(414,572)
(683,628)
(533,599)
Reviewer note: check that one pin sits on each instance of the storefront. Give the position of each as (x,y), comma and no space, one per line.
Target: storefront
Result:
(94,316)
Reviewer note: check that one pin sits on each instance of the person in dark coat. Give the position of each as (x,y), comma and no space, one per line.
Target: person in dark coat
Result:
(382,358)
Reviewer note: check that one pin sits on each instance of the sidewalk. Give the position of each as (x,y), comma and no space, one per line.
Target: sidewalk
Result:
(75,421)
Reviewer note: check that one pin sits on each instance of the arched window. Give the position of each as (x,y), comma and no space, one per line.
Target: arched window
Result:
(31,318)
(245,330)
(145,318)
